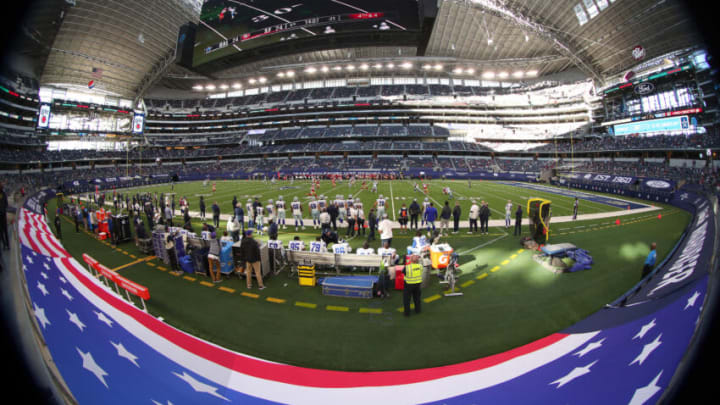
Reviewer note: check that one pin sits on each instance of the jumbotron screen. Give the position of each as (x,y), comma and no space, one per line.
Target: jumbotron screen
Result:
(230,27)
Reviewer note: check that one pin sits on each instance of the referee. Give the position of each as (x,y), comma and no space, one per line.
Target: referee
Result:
(413,279)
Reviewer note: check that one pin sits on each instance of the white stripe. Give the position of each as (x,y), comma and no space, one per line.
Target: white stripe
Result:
(282,392)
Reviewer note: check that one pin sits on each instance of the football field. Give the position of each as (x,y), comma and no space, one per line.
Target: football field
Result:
(509,299)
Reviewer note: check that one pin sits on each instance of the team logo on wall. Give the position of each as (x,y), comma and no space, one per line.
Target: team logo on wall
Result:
(629,75)
(657,184)
(638,52)
(644,88)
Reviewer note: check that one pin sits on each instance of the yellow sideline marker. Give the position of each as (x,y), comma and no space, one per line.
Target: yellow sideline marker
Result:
(207,284)
(305,304)
(275,300)
(521,250)
(371,310)
(504,262)
(494,269)
(482,276)
(337,308)
(467,283)
(144,259)
(513,256)
(228,290)
(432,298)
(250,295)
(188,278)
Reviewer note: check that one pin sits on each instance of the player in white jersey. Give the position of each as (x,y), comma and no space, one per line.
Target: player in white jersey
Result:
(318,246)
(259,221)
(322,203)
(342,211)
(296,245)
(280,204)
(314,212)
(348,203)
(341,248)
(249,210)
(425,206)
(297,213)
(374,187)
(416,187)
(358,204)
(380,203)
(270,210)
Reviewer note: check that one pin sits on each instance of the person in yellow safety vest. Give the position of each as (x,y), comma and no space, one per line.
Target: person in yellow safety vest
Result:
(413,279)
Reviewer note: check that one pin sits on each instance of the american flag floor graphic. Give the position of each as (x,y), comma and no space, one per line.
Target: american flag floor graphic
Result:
(111,352)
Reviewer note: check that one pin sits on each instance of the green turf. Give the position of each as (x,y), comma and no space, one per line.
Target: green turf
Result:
(512,306)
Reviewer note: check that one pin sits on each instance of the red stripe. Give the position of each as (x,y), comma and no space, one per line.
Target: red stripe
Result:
(298,375)
(32,243)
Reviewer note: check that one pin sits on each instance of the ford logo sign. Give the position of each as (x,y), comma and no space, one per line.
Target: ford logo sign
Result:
(657,184)
(644,88)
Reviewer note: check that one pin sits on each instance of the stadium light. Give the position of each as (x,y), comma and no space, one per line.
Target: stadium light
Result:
(210,87)
(324,69)
(531,73)
(518,74)
(198,87)
(390,66)
(457,70)
(406,65)
(252,81)
(488,75)
(236,85)
(438,67)
(378,66)
(364,66)
(470,71)
(490,41)
(311,70)
(350,67)
(290,73)
(337,68)
(281,74)
(262,80)
(503,75)
(427,67)
(224,86)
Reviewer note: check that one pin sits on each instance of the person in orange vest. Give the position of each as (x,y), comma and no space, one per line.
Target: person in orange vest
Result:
(403,217)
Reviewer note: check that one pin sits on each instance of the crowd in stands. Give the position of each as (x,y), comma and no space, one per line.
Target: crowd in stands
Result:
(629,142)
(662,170)
(524,165)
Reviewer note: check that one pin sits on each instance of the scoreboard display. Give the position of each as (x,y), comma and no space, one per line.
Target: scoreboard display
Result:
(231,27)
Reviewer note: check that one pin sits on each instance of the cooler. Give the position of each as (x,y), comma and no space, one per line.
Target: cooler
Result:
(399,278)
(226,258)
(440,255)
(186,264)
(103,227)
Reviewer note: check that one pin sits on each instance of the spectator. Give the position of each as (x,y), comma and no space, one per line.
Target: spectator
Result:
(430,216)
(216,214)
(456,217)
(170,249)
(272,229)
(333,212)
(445,218)
(250,253)
(233,227)
(414,211)
(372,221)
(650,260)
(214,258)
(473,217)
(484,218)
(385,229)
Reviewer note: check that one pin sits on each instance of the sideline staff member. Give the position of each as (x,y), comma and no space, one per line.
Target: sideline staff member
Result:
(413,279)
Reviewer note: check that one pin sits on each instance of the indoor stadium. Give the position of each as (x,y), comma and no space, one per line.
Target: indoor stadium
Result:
(359,202)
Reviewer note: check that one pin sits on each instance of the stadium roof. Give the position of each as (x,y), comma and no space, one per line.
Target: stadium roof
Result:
(130,43)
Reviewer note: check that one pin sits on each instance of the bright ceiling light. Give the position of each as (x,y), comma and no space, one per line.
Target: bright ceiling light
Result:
(390,66)
(518,74)
(281,74)
(488,75)
(503,75)
(198,87)
(337,68)
(490,41)
(252,81)
(427,67)
(324,69)
(290,73)
(210,87)
(350,67)
(378,66)
(531,73)
(470,71)
(364,66)
(236,85)
(438,67)
(262,80)
(457,70)
(224,86)
(311,70)
(406,65)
